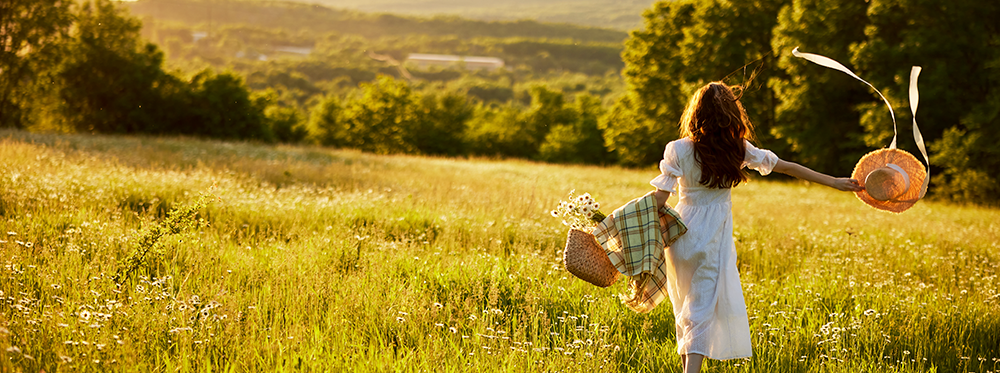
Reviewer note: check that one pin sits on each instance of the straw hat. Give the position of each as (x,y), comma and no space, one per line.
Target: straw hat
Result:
(892,179)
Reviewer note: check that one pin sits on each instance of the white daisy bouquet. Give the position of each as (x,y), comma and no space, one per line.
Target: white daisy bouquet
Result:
(579,212)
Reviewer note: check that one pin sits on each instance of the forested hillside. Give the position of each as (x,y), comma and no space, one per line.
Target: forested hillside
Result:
(616,14)
(302,16)
(291,72)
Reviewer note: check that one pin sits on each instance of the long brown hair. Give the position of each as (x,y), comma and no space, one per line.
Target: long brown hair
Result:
(717,123)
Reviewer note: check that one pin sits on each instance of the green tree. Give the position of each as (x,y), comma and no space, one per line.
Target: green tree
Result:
(547,111)
(955,42)
(633,138)
(111,81)
(221,106)
(326,127)
(382,120)
(580,141)
(441,126)
(641,122)
(30,33)
(286,124)
(818,113)
(499,131)
(730,41)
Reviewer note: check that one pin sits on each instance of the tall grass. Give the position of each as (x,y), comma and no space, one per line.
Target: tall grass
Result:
(325,260)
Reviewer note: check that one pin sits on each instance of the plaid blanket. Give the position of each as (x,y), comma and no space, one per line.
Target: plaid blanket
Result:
(634,237)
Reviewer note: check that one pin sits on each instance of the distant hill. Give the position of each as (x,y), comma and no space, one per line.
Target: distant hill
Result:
(303,16)
(617,14)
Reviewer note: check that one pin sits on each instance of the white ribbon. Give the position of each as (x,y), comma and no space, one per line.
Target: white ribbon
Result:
(906,176)
(914,99)
(828,62)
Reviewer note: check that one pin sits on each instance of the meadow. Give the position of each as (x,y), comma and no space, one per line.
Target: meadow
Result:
(175,254)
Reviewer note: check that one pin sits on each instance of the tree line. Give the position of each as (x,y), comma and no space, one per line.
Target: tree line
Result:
(816,115)
(86,68)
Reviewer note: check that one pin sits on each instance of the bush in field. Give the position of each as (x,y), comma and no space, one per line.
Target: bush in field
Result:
(388,116)
(222,107)
(634,138)
(286,124)
(512,131)
(383,118)
(964,155)
(579,141)
(325,124)
(498,131)
(441,128)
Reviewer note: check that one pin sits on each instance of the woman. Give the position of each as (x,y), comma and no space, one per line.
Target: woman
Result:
(706,162)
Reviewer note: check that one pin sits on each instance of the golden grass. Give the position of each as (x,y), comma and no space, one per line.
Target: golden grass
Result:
(326,260)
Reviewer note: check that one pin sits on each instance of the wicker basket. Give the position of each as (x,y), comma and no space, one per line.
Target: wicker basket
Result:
(586,259)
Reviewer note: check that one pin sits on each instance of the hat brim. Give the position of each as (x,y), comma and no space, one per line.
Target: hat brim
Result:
(879,158)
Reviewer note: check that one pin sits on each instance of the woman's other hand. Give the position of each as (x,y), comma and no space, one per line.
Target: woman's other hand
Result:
(846,184)
(661,198)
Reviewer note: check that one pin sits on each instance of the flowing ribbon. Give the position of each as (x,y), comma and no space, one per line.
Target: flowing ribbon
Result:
(914,99)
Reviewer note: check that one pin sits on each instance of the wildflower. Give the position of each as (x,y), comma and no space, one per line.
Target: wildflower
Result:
(578,212)
(400,320)
(869,312)
(84,315)
(453,330)
(438,305)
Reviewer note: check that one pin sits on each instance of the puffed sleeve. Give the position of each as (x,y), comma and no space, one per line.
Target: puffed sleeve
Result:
(762,160)
(669,171)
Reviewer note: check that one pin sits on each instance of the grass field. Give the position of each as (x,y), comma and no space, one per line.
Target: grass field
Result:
(311,259)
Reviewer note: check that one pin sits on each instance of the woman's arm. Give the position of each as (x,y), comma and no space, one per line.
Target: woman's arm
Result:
(805,173)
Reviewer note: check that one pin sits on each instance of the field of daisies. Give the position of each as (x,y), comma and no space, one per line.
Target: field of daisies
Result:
(168,254)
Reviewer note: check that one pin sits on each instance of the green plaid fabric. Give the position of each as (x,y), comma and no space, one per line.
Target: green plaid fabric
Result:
(634,237)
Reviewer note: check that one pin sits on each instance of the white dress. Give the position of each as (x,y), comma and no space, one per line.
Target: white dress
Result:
(703,283)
